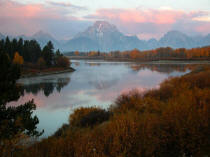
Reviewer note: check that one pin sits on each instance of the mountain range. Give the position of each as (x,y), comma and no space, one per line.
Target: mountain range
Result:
(105,37)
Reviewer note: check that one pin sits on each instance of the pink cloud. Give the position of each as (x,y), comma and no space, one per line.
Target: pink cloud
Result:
(17,18)
(203,28)
(147,23)
(143,16)
(10,9)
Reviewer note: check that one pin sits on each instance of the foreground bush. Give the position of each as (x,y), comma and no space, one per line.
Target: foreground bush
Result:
(172,121)
(88,117)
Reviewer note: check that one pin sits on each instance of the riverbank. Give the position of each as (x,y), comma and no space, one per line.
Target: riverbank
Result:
(138,60)
(49,71)
(171,61)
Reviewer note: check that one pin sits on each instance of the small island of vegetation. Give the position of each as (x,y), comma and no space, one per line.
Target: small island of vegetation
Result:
(34,60)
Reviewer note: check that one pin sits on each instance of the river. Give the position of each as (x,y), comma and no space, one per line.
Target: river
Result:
(94,83)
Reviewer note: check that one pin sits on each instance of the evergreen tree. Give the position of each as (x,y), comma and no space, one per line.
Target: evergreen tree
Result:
(14,46)
(48,54)
(14,120)
(35,51)
(58,53)
(7,47)
(1,45)
(20,46)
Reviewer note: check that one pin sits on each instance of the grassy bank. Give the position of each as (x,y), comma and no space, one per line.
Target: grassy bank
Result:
(30,72)
(171,121)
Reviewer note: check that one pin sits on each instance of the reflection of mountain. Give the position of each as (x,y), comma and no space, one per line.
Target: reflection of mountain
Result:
(103,84)
(163,68)
(46,87)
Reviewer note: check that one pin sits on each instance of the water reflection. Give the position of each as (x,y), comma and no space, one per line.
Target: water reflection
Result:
(94,83)
(46,87)
(93,64)
(103,84)
(163,68)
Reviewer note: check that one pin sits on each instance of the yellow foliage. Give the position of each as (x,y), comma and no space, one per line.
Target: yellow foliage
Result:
(92,53)
(18,59)
(76,53)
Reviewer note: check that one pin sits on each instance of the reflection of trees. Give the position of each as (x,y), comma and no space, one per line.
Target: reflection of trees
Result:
(77,63)
(163,68)
(93,64)
(47,87)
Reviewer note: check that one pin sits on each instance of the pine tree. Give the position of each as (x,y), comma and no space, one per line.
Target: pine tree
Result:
(14,120)
(48,54)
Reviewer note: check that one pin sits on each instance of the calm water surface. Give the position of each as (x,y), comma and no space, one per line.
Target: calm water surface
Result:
(94,83)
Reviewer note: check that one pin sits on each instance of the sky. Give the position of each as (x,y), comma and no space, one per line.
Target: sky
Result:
(65,18)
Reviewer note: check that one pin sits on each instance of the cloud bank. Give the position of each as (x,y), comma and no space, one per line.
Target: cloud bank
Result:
(56,18)
(149,23)
(64,20)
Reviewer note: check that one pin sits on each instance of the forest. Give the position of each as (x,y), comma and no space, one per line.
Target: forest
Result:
(31,57)
(163,53)
(172,120)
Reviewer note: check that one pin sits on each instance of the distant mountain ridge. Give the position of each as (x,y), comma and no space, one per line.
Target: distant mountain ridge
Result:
(43,37)
(2,36)
(105,37)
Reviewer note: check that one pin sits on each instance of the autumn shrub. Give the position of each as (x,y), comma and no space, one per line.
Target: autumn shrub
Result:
(18,59)
(127,101)
(184,129)
(88,117)
(61,131)
(63,61)
(41,63)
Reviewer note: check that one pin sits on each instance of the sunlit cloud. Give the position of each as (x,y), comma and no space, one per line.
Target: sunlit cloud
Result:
(17,18)
(202,18)
(10,9)
(205,27)
(148,23)
(66,5)
(158,16)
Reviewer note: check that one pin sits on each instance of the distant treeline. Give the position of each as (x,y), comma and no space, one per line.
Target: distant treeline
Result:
(156,54)
(29,52)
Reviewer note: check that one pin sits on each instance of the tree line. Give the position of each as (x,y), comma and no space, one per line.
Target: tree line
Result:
(29,52)
(156,54)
